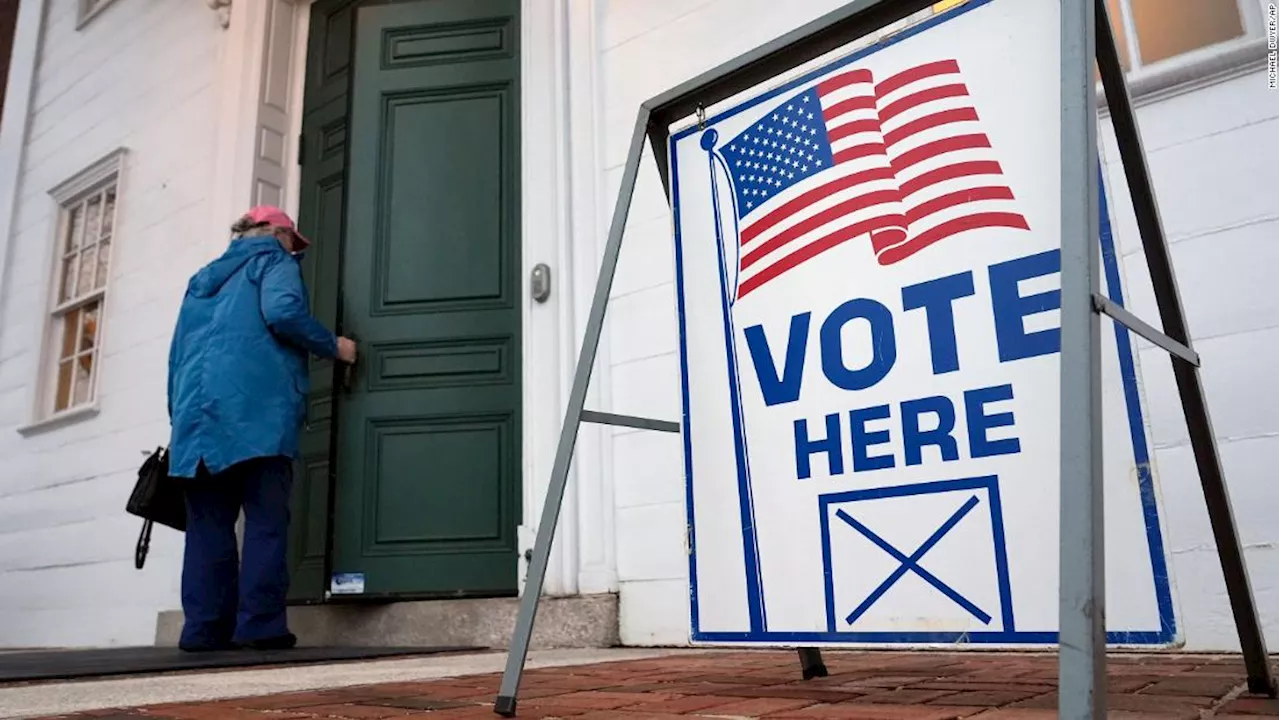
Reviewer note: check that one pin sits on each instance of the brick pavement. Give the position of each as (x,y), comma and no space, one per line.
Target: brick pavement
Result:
(862,686)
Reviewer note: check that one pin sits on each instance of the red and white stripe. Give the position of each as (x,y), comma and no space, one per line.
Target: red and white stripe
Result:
(859,195)
(945,169)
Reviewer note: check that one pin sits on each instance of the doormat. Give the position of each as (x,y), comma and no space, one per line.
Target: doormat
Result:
(77,664)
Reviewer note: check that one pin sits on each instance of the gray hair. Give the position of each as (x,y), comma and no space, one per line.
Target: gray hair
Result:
(245,227)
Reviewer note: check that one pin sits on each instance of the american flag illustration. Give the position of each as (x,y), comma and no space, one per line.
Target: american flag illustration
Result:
(902,161)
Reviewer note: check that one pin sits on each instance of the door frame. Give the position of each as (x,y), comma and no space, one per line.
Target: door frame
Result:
(561,225)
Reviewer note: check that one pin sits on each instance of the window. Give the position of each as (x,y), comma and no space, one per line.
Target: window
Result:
(1149,31)
(82,266)
(88,9)
(85,247)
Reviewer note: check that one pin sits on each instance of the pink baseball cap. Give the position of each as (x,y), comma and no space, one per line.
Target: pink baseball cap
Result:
(275,216)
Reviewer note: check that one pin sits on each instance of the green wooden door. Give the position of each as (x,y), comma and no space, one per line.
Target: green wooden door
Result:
(321,208)
(427,448)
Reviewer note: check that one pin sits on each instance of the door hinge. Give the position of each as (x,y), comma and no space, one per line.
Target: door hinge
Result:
(302,148)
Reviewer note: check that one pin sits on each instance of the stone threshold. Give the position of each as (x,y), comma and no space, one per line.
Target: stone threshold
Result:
(584,621)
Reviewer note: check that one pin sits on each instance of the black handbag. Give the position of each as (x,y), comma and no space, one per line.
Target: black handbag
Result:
(156,498)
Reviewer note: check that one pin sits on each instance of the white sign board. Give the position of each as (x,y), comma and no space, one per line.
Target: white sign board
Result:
(867,276)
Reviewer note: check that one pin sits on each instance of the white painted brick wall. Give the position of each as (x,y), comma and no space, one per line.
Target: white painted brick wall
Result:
(66,574)
(140,75)
(1212,152)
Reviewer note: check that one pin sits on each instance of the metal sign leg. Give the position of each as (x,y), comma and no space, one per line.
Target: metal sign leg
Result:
(506,702)
(811,664)
(1081,625)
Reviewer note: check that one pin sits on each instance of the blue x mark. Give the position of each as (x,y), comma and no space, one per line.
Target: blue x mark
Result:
(913,563)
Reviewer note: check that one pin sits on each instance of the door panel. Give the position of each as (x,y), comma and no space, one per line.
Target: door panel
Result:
(320,217)
(427,460)
(461,133)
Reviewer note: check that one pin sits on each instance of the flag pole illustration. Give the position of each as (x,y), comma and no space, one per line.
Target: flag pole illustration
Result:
(902,162)
(728,292)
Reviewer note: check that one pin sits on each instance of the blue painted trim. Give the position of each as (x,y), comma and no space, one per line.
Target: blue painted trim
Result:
(1168,628)
(949,638)
(828,581)
(1137,431)
(1002,557)
(746,504)
(684,391)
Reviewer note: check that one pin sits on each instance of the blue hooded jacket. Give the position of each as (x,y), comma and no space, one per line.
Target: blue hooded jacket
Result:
(238,378)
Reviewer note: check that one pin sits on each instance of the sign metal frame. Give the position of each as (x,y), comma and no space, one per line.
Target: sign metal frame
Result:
(1086,36)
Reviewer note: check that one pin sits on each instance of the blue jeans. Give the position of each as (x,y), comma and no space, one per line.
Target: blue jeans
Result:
(225,598)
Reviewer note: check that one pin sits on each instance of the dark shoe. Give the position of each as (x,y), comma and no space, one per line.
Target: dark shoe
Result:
(282,642)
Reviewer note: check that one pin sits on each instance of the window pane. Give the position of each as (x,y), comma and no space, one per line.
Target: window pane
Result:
(1116,16)
(94,221)
(1117,31)
(75,231)
(68,278)
(104,255)
(89,327)
(70,325)
(83,379)
(75,228)
(88,269)
(109,212)
(62,394)
(1172,27)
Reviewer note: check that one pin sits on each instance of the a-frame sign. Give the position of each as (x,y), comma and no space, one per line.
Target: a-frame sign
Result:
(878,423)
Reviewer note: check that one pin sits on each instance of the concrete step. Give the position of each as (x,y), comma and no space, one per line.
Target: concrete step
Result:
(587,621)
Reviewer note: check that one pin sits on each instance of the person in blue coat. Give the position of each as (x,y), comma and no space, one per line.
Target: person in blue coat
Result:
(238,385)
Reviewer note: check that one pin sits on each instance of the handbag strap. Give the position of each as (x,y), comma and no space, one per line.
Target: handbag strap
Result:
(144,544)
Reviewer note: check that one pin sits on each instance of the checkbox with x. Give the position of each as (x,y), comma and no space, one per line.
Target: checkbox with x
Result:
(925,557)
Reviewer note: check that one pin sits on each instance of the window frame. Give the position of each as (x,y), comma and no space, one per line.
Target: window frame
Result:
(1193,69)
(87,10)
(1251,23)
(102,175)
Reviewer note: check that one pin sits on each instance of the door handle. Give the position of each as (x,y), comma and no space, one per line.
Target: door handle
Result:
(348,372)
(348,378)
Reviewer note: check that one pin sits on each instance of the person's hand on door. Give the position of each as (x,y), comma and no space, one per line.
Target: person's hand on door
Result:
(347,350)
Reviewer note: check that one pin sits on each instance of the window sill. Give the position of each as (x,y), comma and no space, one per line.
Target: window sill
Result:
(1190,72)
(62,419)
